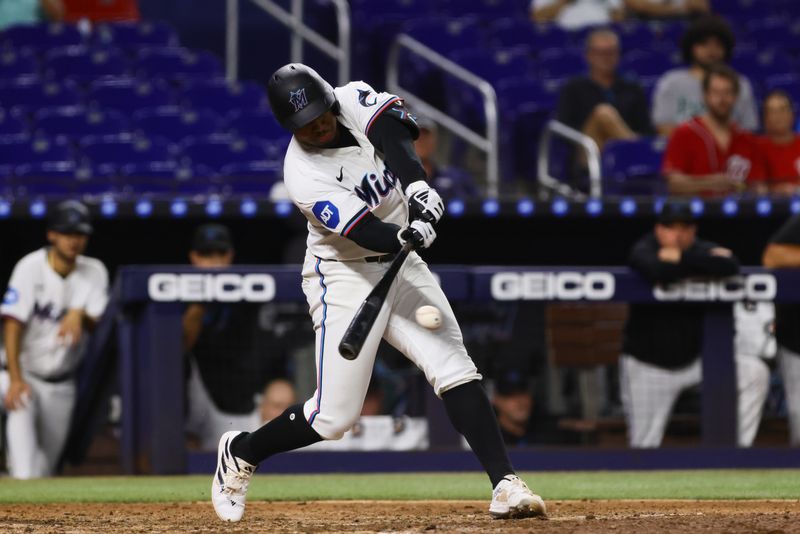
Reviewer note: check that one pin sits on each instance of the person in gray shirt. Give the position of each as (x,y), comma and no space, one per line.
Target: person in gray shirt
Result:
(679,96)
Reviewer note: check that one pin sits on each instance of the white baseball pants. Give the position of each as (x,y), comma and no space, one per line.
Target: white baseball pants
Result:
(648,393)
(37,432)
(334,291)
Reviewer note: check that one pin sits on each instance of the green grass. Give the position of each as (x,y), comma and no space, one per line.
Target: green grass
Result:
(717,484)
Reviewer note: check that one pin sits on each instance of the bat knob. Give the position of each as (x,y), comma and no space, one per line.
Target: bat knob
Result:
(348,350)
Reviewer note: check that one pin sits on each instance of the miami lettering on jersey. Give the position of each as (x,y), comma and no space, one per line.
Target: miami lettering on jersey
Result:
(48,312)
(372,189)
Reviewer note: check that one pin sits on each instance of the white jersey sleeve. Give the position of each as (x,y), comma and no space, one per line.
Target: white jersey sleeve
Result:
(361,104)
(19,300)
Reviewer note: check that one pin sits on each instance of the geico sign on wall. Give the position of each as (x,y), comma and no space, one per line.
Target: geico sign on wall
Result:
(222,287)
(757,287)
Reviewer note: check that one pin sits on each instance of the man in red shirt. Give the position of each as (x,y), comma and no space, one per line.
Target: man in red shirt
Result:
(780,146)
(709,155)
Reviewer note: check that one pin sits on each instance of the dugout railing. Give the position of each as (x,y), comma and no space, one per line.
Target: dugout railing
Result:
(152,299)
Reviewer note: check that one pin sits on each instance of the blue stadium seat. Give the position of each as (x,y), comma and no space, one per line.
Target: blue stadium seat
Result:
(29,94)
(18,63)
(76,122)
(452,182)
(15,152)
(484,8)
(251,177)
(636,36)
(84,64)
(61,178)
(558,63)
(11,126)
(493,65)
(222,97)
(178,64)
(116,153)
(176,124)
(509,32)
(168,177)
(216,153)
(447,35)
(129,95)
(41,36)
(260,124)
(633,167)
(133,35)
(642,64)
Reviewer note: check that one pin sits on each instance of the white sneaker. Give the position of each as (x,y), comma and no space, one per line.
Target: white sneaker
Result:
(229,487)
(512,499)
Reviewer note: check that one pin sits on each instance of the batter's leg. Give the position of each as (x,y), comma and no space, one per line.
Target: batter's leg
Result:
(752,385)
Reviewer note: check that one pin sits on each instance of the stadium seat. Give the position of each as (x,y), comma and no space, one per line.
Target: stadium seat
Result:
(633,167)
(260,124)
(446,35)
(510,32)
(84,64)
(251,177)
(76,122)
(484,8)
(645,64)
(129,95)
(41,36)
(168,177)
(18,63)
(115,154)
(177,64)
(176,124)
(493,65)
(133,35)
(222,97)
(28,94)
(218,152)
(558,63)
(32,150)
(61,178)
(11,126)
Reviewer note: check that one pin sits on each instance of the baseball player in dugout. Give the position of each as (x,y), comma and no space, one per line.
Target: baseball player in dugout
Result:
(351,154)
(662,342)
(54,297)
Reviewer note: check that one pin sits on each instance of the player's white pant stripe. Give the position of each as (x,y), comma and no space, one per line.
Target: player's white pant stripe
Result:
(321,341)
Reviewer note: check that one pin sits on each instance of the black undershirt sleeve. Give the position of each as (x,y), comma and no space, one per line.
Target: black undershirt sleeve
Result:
(374,234)
(395,140)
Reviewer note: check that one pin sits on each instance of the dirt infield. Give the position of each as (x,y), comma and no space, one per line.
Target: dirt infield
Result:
(417,516)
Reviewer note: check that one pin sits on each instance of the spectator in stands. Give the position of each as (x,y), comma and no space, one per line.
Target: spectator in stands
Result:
(783,252)
(576,14)
(666,9)
(449,181)
(224,344)
(602,104)
(678,94)
(780,146)
(14,12)
(278,395)
(662,342)
(101,10)
(709,154)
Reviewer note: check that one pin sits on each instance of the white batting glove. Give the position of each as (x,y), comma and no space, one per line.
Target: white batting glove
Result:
(424,202)
(420,233)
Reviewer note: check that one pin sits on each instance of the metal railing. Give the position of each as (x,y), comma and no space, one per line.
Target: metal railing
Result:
(583,141)
(300,32)
(488,143)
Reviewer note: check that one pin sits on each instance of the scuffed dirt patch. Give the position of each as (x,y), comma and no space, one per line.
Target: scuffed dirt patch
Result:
(461,517)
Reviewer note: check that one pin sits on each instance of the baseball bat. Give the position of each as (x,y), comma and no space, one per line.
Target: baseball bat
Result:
(362,322)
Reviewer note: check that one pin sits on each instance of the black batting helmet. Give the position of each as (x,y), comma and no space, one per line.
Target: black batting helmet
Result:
(298,95)
(70,217)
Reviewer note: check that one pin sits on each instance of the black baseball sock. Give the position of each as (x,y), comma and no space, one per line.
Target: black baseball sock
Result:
(287,432)
(472,415)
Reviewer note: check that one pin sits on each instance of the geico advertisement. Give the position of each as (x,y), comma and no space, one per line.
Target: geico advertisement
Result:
(222,287)
(600,285)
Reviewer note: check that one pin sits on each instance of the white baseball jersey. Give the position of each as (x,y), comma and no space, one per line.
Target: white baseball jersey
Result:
(39,298)
(336,187)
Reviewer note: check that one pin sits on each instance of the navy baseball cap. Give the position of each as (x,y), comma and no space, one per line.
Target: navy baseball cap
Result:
(676,211)
(70,217)
(511,382)
(212,238)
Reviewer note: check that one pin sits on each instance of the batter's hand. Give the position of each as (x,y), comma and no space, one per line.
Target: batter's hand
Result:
(424,202)
(17,395)
(71,328)
(420,233)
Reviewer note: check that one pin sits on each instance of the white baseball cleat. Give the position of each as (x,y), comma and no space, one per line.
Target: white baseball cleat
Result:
(512,499)
(229,487)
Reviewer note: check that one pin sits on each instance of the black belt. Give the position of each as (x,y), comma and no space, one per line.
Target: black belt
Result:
(385,258)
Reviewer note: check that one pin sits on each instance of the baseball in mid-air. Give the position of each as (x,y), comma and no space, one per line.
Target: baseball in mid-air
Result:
(429,317)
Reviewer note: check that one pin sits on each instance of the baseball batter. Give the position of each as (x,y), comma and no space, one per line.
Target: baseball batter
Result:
(54,294)
(351,152)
